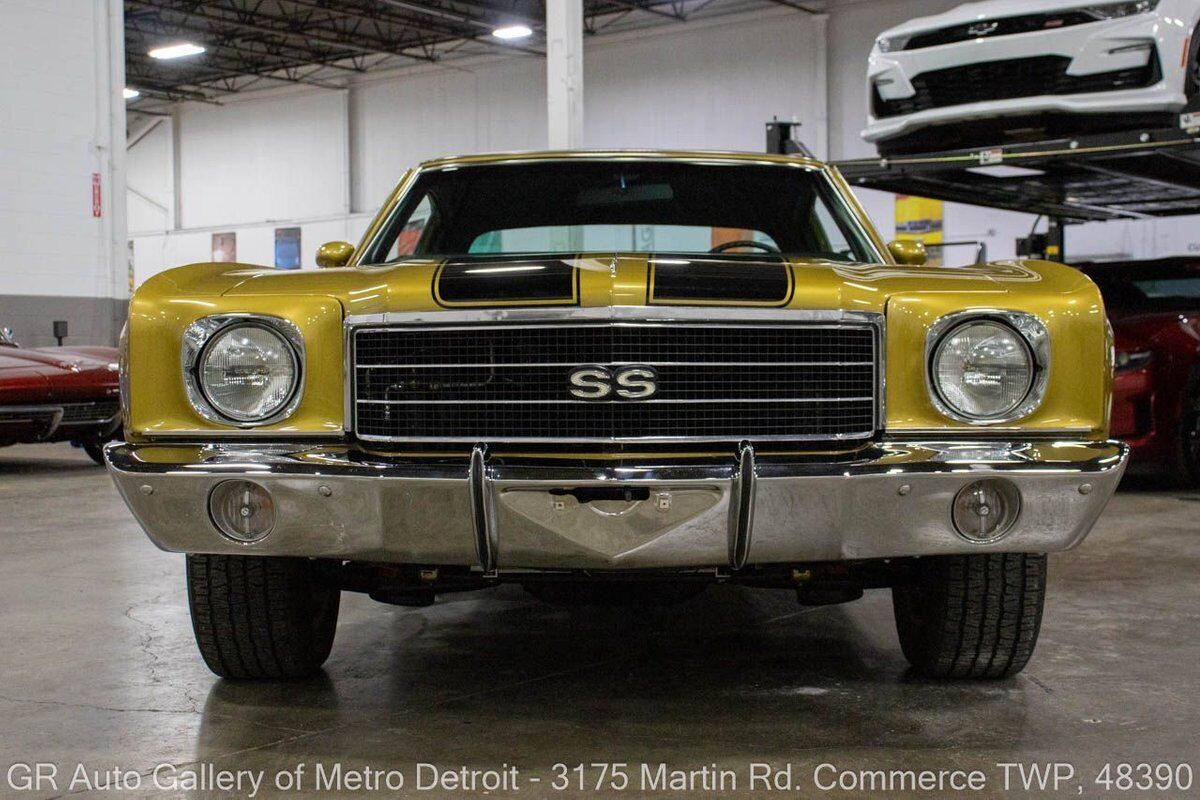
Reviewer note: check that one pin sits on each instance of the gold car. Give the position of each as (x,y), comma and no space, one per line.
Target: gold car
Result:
(617,376)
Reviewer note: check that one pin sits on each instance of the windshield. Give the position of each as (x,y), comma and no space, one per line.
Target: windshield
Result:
(569,207)
(1149,287)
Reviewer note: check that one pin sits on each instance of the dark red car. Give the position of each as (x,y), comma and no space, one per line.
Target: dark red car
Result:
(1154,307)
(58,394)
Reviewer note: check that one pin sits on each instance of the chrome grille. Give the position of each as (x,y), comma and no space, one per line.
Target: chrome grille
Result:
(508,382)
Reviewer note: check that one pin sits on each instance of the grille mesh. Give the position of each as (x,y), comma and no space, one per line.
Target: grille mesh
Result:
(1009,79)
(508,383)
(101,411)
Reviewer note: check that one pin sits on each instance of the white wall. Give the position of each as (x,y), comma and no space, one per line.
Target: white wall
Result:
(275,158)
(150,177)
(56,125)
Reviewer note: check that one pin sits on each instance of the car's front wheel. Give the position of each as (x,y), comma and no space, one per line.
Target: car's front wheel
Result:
(971,616)
(261,617)
(1187,471)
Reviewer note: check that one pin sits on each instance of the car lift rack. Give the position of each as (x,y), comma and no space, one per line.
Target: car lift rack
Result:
(1134,174)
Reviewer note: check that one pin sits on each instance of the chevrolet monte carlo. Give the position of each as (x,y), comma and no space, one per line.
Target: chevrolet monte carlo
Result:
(617,377)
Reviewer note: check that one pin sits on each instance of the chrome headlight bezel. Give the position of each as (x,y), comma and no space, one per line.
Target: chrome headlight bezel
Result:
(1028,329)
(202,332)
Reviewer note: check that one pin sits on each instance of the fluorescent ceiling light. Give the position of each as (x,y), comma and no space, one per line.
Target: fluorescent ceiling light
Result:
(176,50)
(512,32)
(1005,171)
(129,94)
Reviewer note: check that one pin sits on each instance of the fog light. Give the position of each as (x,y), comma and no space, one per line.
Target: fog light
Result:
(985,510)
(242,510)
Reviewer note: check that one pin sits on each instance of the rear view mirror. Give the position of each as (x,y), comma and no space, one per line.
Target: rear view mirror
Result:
(334,254)
(907,251)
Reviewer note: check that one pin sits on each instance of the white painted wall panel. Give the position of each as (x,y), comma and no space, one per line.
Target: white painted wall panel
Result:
(711,87)
(278,157)
(499,105)
(49,242)
(150,180)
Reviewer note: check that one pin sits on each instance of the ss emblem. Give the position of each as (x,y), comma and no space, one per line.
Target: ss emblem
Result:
(597,383)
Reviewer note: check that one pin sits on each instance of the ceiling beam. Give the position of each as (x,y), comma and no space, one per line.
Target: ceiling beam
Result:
(229,40)
(281,26)
(193,73)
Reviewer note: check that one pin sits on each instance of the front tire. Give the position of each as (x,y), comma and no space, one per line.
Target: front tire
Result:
(1187,472)
(971,616)
(258,618)
(95,451)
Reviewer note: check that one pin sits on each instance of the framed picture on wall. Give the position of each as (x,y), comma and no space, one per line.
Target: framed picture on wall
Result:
(287,248)
(224,247)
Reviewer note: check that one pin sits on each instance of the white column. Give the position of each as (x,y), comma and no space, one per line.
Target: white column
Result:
(564,73)
(110,145)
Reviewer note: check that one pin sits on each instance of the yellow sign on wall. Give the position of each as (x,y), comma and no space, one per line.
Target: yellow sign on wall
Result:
(920,219)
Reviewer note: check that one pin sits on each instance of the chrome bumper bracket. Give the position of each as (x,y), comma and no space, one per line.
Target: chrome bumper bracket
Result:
(741,506)
(483,516)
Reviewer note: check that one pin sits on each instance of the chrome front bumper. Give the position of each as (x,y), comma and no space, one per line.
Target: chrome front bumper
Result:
(889,499)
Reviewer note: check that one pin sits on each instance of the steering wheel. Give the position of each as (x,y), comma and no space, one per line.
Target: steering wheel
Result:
(767,248)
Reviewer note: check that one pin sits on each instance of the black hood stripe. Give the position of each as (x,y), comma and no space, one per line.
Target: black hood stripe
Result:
(705,280)
(505,281)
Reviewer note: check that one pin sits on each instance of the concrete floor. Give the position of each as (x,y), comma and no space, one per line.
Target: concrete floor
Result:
(97,666)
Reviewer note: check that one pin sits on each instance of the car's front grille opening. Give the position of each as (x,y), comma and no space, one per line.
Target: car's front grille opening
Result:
(84,413)
(1007,80)
(712,382)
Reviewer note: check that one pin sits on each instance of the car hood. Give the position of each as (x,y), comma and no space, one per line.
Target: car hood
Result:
(606,279)
(71,359)
(985,9)
(58,374)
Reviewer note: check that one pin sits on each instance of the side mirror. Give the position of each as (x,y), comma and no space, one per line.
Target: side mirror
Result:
(334,254)
(907,251)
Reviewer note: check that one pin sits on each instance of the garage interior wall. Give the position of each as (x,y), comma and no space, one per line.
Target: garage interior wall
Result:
(63,253)
(323,160)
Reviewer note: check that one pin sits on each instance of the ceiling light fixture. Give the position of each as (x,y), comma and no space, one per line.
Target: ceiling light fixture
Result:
(512,32)
(181,50)
(129,94)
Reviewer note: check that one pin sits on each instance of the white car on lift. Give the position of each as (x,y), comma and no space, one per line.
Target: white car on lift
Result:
(1002,70)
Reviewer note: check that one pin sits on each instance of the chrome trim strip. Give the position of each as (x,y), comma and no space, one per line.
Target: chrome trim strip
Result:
(1028,327)
(635,314)
(857,436)
(461,401)
(202,331)
(482,509)
(629,364)
(743,488)
(53,414)
(1000,431)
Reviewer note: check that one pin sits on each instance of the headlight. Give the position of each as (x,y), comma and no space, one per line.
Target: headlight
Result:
(243,370)
(887,45)
(987,368)
(1116,10)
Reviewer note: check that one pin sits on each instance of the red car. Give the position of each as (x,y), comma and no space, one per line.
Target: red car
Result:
(1154,307)
(58,394)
